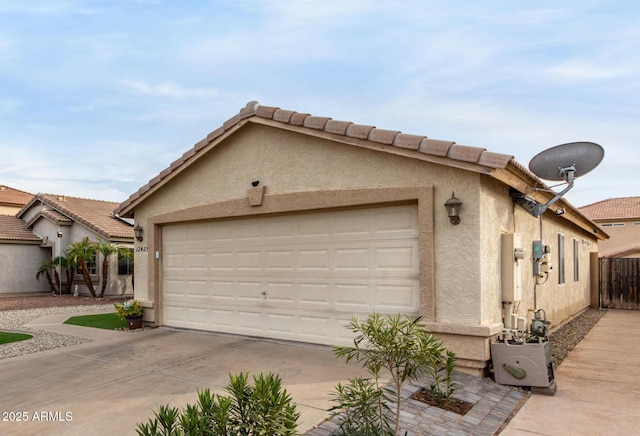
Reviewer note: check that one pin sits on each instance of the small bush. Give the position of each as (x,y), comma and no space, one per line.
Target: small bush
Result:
(262,409)
(397,346)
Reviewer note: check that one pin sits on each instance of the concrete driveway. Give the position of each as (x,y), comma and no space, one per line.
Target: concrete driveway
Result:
(107,386)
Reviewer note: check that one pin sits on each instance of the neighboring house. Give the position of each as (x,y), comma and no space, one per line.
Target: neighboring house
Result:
(46,226)
(284,225)
(620,218)
(20,256)
(12,200)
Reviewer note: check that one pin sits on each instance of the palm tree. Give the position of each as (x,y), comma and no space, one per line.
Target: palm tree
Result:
(44,268)
(107,250)
(81,252)
(69,268)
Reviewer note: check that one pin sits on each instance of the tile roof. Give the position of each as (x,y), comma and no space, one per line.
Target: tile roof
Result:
(451,152)
(96,215)
(613,209)
(13,228)
(14,197)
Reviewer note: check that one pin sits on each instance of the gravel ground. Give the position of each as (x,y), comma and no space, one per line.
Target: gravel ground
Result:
(26,309)
(17,311)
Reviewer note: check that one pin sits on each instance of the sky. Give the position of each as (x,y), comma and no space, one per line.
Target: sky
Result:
(98,97)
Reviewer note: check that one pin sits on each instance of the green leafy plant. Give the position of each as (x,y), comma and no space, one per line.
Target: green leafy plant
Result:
(394,345)
(362,408)
(441,366)
(263,408)
(129,309)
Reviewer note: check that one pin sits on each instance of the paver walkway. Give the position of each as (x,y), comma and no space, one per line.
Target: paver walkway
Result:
(493,405)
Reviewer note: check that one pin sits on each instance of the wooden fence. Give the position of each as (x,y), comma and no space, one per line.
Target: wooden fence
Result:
(619,283)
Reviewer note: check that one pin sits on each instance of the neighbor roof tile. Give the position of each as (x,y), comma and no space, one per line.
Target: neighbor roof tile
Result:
(613,209)
(14,197)
(13,228)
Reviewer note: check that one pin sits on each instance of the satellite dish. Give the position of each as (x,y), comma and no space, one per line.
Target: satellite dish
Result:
(556,163)
(560,163)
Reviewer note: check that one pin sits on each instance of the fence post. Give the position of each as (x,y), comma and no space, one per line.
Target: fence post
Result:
(594,280)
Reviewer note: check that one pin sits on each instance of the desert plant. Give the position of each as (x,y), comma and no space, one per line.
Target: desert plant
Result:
(43,269)
(80,253)
(441,366)
(69,267)
(399,345)
(262,409)
(107,249)
(361,408)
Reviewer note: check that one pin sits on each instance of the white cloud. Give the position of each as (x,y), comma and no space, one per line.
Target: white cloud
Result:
(168,89)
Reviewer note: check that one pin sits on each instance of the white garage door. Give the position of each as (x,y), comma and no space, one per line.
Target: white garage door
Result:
(296,277)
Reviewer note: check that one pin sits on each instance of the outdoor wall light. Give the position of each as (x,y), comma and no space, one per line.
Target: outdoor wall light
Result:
(137,231)
(453,206)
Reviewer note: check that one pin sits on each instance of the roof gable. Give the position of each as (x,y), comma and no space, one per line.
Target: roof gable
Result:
(613,209)
(96,215)
(502,167)
(443,152)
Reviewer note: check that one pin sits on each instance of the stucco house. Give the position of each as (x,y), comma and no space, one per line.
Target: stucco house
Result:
(43,229)
(12,200)
(620,218)
(285,225)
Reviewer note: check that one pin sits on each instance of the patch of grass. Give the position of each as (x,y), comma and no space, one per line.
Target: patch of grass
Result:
(107,321)
(8,337)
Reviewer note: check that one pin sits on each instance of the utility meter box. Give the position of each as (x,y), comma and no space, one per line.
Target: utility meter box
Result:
(522,364)
(511,268)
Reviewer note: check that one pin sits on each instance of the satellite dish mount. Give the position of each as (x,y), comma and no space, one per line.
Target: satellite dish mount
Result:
(563,163)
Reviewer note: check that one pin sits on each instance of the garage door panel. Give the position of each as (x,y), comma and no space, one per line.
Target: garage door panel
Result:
(353,297)
(314,260)
(314,294)
(398,258)
(197,289)
(250,322)
(249,260)
(281,293)
(397,221)
(315,328)
(197,317)
(174,261)
(396,298)
(317,271)
(280,260)
(352,259)
(247,291)
(222,320)
(174,288)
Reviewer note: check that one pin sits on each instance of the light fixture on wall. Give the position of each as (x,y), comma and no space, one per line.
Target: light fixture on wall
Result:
(137,231)
(453,206)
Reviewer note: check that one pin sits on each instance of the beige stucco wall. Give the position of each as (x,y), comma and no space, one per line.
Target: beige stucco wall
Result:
(560,301)
(286,162)
(19,266)
(467,311)
(625,239)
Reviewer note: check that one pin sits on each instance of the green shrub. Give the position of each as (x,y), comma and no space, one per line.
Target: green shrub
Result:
(262,409)
(402,347)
